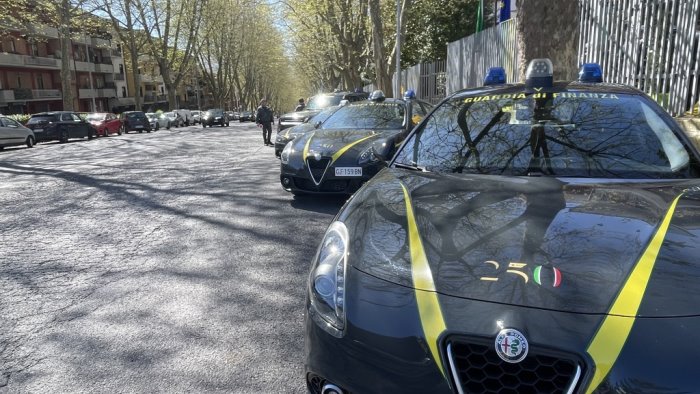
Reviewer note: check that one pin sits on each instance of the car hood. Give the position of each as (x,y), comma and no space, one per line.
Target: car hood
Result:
(335,142)
(540,242)
(299,115)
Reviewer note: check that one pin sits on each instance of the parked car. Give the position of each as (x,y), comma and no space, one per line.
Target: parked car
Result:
(60,126)
(315,122)
(13,133)
(315,105)
(536,237)
(135,121)
(105,123)
(158,120)
(215,116)
(197,117)
(246,116)
(350,147)
(186,115)
(175,119)
(236,115)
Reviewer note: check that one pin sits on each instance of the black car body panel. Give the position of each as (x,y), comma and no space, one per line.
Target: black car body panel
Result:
(340,160)
(598,273)
(60,126)
(215,116)
(135,121)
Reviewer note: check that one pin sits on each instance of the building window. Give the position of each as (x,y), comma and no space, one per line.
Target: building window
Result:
(121,69)
(141,91)
(39,81)
(34,49)
(123,91)
(19,81)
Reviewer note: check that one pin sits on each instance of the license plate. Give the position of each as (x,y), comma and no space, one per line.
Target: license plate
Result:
(35,130)
(348,171)
(138,126)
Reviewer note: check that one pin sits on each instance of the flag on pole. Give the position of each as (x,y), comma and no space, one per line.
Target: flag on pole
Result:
(480,17)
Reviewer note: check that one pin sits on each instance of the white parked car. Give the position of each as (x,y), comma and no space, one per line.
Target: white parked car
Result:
(158,121)
(175,118)
(186,116)
(13,133)
(197,117)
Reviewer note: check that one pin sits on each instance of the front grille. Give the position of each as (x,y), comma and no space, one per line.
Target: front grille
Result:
(317,167)
(477,369)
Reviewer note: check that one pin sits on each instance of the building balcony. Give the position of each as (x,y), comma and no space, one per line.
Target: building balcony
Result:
(149,98)
(104,68)
(84,66)
(106,92)
(116,53)
(87,93)
(43,94)
(119,77)
(16,60)
(100,42)
(7,96)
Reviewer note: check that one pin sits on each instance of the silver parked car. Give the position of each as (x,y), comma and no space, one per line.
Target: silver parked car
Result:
(196,116)
(13,133)
(175,118)
(158,120)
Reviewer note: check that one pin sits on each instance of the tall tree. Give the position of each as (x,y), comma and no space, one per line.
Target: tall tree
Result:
(171,27)
(549,29)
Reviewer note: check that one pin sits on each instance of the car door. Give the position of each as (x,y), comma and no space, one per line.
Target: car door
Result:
(112,123)
(9,132)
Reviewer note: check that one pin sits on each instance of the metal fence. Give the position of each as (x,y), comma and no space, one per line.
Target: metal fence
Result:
(469,59)
(426,79)
(649,44)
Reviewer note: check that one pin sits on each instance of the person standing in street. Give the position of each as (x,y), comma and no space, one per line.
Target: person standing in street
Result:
(300,106)
(264,119)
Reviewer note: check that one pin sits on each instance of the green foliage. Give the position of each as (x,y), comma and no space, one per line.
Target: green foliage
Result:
(432,24)
(24,118)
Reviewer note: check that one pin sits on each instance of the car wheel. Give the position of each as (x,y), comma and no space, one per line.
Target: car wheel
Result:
(141,131)
(227,124)
(91,133)
(29,141)
(105,133)
(157,127)
(63,136)
(168,126)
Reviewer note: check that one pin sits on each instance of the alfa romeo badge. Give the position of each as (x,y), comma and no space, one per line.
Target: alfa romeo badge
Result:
(511,345)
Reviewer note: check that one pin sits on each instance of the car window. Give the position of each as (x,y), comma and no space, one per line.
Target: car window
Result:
(7,122)
(96,117)
(41,118)
(66,117)
(75,118)
(368,115)
(605,135)
(323,101)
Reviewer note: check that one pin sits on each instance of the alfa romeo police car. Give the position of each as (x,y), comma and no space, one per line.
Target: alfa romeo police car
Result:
(526,238)
(350,147)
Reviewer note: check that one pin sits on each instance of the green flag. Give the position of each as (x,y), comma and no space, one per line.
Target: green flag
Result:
(480,17)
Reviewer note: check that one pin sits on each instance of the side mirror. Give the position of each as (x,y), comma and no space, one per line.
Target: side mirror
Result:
(317,124)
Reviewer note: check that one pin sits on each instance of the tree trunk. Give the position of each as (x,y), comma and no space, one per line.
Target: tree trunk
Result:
(66,56)
(137,77)
(549,29)
(383,79)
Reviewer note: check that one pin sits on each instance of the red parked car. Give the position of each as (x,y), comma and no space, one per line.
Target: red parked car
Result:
(105,123)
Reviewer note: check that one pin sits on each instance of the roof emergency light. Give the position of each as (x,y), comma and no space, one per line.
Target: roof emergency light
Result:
(495,76)
(409,95)
(590,72)
(377,95)
(540,72)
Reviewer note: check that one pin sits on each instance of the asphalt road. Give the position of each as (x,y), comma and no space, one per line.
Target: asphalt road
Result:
(162,262)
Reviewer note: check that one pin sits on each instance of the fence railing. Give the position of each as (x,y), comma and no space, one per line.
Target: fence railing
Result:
(651,45)
(469,59)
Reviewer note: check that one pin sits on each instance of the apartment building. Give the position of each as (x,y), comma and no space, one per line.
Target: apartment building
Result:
(30,79)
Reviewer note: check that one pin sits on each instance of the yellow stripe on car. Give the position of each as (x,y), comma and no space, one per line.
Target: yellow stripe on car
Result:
(344,149)
(612,334)
(426,297)
(306,147)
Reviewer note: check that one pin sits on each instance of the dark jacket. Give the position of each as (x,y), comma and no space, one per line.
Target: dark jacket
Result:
(300,107)
(264,115)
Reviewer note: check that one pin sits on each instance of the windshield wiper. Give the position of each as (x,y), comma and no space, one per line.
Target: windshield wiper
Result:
(412,166)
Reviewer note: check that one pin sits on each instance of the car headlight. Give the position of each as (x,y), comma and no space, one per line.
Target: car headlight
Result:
(368,157)
(284,156)
(327,281)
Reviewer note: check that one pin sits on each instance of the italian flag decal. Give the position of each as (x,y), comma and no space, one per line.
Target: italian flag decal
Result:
(538,276)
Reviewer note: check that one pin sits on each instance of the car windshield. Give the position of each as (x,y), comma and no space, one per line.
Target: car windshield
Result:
(151,116)
(367,115)
(215,112)
(558,134)
(135,115)
(41,118)
(96,117)
(323,101)
(323,115)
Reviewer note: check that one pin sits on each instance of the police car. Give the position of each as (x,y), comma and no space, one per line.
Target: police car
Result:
(350,147)
(539,237)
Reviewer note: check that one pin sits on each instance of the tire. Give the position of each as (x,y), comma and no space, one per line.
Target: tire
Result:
(29,141)
(141,131)
(91,133)
(63,136)
(157,126)
(227,124)
(105,133)
(168,126)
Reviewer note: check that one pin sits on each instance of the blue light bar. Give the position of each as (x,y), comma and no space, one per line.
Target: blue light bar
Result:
(495,76)
(409,95)
(590,72)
